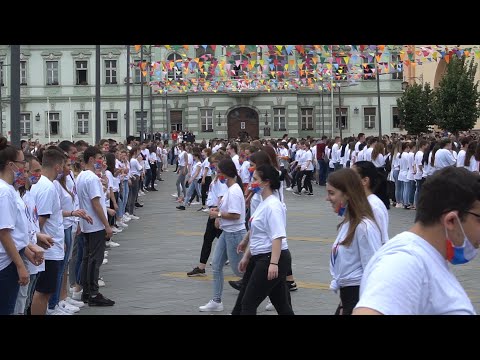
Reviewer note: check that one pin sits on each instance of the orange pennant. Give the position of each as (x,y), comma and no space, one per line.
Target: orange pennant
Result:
(242,48)
(137,48)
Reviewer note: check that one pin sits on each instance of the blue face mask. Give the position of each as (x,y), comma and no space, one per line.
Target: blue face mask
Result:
(222,179)
(458,255)
(341,210)
(256,189)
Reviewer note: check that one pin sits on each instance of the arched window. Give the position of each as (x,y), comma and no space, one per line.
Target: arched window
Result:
(206,55)
(175,71)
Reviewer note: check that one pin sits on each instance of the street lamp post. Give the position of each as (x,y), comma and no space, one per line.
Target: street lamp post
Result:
(127,113)
(142,125)
(340,122)
(219,116)
(378,95)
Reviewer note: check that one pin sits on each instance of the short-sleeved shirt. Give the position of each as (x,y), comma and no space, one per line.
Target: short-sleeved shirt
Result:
(233,202)
(90,187)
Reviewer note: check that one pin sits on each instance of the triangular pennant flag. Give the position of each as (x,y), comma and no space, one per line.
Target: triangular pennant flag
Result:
(137,48)
(242,48)
(279,48)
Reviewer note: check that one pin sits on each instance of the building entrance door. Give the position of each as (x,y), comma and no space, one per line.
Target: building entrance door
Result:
(242,122)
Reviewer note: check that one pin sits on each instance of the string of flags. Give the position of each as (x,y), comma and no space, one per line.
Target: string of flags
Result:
(284,67)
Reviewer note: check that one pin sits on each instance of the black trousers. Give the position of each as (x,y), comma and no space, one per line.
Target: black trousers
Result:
(205,187)
(153,177)
(211,232)
(93,253)
(349,297)
(256,286)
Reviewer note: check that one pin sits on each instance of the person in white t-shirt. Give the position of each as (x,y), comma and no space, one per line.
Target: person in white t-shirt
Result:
(92,198)
(14,237)
(357,240)
(232,150)
(51,223)
(267,260)
(230,217)
(370,180)
(410,274)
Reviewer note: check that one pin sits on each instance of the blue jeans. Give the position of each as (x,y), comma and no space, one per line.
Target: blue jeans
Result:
(8,289)
(122,200)
(55,298)
(226,248)
(322,172)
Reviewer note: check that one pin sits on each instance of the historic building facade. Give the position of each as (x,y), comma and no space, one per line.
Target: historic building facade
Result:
(58,98)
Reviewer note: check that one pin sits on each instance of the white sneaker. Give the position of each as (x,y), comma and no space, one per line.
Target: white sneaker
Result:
(126,219)
(101,283)
(195,203)
(116,230)
(105,261)
(56,311)
(211,306)
(105,254)
(77,295)
(65,306)
(112,244)
(73,302)
(141,193)
(121,225)
(289,189)
(174,195)
(206,210)
(269,306)
(134,217)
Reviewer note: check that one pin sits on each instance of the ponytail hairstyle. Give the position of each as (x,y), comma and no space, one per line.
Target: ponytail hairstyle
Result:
(267,172)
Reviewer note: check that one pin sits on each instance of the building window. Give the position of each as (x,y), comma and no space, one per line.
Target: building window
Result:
(138,72)
(25,124)
(82,122)
(81,70)
(206,117)
(54,120)
(279,120)
(110,72)
(23,73)
(138,118)
(276,63)
(307,119)
(398,63)
(112,122)
(368,70)
(174,61)
(343,116)
(369,114)
(52,72)
(1,74)
(395,118)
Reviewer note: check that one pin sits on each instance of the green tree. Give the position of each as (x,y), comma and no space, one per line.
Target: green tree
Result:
(456,100)
(414,109)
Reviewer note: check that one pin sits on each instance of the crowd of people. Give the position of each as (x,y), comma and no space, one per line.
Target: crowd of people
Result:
(64,203)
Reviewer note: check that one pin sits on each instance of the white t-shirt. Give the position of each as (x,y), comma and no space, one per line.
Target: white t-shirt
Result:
(135,168)
(408,276)
(48,203)
(90,187)
(215,191)
(444,158)
(347,263)
(236,161)
(109,176)
(461,158)
(268,223)
(67,203)
(379,161)
(418,162)
(146,154)
(380,213)
(233,202)
(33,229)
(13,217)
(244,173)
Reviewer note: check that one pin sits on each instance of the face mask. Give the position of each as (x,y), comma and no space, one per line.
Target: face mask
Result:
(73,160)
(341,210)
(19,177)
(248,158)
(222,179)
(34,178)
(98,164)
(256,189)
(460,254)
(251,170)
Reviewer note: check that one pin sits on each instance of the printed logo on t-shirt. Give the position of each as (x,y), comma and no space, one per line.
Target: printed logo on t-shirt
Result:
(334,254)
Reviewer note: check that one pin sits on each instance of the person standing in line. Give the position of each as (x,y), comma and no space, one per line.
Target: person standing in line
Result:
(410,274)
(267,259)
(357,240)
(13,227)
(370,179)
(51,223)
(230,217)
(92,199)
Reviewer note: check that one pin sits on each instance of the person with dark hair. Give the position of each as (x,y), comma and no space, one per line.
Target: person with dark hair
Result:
(14,237)
(370,180)
(51,223)
(92,198)
(410,274)
(230,217)
(267,259)
(357,240)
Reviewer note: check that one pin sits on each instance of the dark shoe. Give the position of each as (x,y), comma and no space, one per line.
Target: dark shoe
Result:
(297,193)
(201,209)
(85,297)
(161,180)
(292,285)
(138,205)
(197,272)
(100,300)
(309,193)
(153,189)
(181,207)
(236,284)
